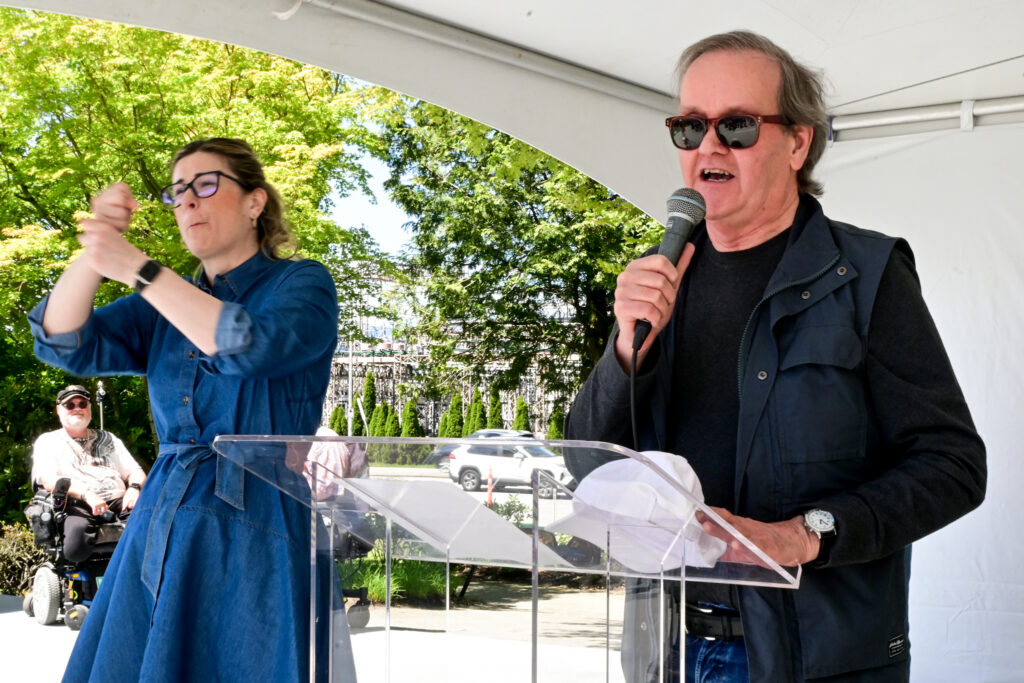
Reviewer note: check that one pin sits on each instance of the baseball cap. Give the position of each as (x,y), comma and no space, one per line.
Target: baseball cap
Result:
(645,516)
(73,390)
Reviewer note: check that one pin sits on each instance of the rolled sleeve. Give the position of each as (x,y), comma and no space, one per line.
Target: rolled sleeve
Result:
(57,343)
(114,340)
(234,329)
(275,331)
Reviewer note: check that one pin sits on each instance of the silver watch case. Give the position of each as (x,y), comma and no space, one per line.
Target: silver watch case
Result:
(820,522)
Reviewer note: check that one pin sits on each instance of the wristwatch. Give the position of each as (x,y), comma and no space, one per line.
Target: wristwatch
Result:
(820,522)
(137,487)
(823,525)
(147,273)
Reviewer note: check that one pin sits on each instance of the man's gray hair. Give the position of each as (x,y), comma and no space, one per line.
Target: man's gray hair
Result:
(801,92)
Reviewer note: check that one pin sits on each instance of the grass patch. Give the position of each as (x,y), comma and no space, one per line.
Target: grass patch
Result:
(412,581)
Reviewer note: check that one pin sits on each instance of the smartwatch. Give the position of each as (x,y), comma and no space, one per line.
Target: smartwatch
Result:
(147,273)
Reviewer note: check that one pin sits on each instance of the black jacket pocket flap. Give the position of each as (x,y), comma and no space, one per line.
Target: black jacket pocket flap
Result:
(823,345)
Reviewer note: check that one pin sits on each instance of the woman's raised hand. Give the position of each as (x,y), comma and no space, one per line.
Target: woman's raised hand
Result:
(107,252)
(115,205)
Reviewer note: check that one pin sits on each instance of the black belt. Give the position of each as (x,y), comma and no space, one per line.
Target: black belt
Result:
(713,622)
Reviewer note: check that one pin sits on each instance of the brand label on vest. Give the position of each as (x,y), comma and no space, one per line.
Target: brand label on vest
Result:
(897,646)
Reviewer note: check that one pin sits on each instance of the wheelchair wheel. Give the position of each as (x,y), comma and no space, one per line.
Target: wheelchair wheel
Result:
(358,615)
(26,605)
(46,597)
(75,617)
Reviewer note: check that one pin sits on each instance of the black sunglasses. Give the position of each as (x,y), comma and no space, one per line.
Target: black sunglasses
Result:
(203,185)
(72,404)
(737,131)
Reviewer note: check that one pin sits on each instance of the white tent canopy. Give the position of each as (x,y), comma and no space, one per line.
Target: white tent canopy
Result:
(929,103)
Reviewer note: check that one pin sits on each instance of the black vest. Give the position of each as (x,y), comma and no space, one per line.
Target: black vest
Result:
(804,433)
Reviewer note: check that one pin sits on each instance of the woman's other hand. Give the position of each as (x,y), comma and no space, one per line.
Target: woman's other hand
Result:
(108,253)
(115,206)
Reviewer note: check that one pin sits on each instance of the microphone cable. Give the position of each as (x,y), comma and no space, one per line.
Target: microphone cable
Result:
(686,208)
(643,328)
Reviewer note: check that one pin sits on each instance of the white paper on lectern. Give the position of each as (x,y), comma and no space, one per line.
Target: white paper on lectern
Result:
(645,523)
(439,513)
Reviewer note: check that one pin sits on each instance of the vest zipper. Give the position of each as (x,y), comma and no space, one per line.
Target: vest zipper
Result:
(745,339)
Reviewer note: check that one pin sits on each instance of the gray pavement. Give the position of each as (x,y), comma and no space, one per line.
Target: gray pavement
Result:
(486,638)
(28,650)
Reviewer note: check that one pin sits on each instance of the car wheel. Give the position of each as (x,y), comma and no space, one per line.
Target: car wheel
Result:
(75,617)
(470,480)
(26,605)
(46,596)
(358,616)
(545,489)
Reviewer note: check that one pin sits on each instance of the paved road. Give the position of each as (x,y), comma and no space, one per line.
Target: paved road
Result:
(488,638)
(488,634)
(31,652)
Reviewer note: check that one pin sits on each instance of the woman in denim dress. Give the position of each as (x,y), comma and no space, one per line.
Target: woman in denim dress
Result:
(211,579)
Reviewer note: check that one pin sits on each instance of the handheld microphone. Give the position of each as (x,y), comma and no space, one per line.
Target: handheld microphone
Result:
(686,208)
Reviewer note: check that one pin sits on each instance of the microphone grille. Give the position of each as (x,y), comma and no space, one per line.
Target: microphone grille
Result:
(688,202)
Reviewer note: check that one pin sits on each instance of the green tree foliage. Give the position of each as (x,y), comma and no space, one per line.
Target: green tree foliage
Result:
(455,421)
(358,424)
(555,424)
(370,397)
(411,426)
(392,425)
(19,557)
(494,420)
(84,104)
(339,421)
(378,420)
(522,419)
(519,252)
(442,426)
(476,418)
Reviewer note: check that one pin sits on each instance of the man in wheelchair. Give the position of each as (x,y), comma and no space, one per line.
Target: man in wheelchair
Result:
(87,483)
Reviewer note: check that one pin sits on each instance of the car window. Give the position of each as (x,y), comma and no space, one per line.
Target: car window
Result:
(484,450)
(538,451)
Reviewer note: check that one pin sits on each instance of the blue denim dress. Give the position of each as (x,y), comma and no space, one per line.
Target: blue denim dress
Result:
(211,578)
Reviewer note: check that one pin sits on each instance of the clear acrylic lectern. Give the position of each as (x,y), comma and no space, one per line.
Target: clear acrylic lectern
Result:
(533,569)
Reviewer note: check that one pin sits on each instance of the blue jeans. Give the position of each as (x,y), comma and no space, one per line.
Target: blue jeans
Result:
(716,661)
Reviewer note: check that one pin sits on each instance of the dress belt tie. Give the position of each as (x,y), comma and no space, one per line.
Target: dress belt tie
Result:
(230,488)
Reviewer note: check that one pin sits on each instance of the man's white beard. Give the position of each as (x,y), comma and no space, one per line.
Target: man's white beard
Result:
(77,421)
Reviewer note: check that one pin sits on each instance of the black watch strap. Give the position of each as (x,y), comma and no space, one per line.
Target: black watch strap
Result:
(137,487)
(147,273)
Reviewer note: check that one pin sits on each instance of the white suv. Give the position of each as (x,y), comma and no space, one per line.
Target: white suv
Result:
(509,464)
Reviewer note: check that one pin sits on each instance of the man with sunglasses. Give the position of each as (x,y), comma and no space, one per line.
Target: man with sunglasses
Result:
(794,363)
(104,476)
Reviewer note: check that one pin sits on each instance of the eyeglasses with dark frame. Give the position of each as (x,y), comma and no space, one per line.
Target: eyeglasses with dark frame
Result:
(736,131)
(203,185)
(72,404)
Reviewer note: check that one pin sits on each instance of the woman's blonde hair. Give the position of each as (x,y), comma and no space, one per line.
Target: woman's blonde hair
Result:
(275,239)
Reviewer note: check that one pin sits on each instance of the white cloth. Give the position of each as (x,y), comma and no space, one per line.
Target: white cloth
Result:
(103,464)
(646,523)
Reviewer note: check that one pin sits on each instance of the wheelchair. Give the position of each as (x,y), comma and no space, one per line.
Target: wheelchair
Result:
(62,589)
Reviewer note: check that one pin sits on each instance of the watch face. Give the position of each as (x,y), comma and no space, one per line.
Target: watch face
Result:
(820,520)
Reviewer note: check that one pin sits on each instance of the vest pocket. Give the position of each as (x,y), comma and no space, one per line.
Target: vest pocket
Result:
(819,396)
